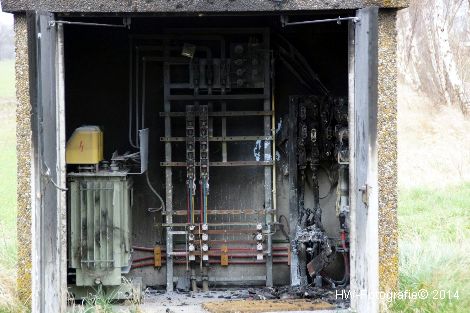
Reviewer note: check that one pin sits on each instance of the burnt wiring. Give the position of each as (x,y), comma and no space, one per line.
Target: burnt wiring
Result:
(332,180)
(320,137)
(344,251)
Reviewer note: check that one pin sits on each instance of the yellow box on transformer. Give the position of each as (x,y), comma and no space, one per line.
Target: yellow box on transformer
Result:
(85,146)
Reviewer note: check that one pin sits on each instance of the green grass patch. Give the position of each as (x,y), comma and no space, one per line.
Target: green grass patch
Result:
(7,183)
(8,245)
(444,213)
(7,79)
(435,249)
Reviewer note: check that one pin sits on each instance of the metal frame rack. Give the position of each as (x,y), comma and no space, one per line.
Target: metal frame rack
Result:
(206,89)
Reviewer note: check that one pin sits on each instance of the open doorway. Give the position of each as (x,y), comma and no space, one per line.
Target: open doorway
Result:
(202,157)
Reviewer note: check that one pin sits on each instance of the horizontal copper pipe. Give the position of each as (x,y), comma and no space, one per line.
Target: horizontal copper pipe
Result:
(143,259)
(142,265)
(235,256)
(213,249)
(214,262)
(143,249)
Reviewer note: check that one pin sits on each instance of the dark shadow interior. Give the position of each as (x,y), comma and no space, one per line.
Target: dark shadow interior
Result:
(98,88)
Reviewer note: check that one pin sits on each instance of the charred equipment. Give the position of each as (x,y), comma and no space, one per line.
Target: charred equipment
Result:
(318,142)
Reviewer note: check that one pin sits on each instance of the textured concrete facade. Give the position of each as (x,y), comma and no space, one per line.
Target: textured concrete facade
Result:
(151,6)
(387,109)
(24,157)
(387,151)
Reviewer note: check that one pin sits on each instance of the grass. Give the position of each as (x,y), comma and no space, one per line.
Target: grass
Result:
(102,302)
(96,303)
(7,173)
(435,248)
(8,258)
(7,79)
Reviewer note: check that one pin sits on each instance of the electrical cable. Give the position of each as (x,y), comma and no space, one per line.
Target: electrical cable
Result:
(333,182)
(162,206)
(297,57)
(345,280)
(192,206)
(188,206)
(295,73)
(204,187)
(201,213)
(131,85)
(300,67)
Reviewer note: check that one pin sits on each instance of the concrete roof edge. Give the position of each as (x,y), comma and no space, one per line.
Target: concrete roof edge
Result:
(183,6)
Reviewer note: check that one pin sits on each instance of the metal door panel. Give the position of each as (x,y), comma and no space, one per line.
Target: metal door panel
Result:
(364,203)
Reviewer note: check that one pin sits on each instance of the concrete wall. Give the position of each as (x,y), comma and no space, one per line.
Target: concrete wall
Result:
(23,150)
(387,151)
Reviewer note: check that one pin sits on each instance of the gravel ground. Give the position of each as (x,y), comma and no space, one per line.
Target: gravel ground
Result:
(188,302)
(155,301)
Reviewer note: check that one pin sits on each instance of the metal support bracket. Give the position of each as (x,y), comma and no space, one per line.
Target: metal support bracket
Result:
(285,21)
(126,23)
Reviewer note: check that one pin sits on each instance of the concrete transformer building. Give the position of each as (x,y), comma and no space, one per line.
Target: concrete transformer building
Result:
(220,142)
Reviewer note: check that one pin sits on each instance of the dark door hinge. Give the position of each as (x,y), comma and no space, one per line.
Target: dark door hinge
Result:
(365,189)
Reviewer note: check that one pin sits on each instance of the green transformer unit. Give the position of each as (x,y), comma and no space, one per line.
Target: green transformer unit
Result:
(99,218)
